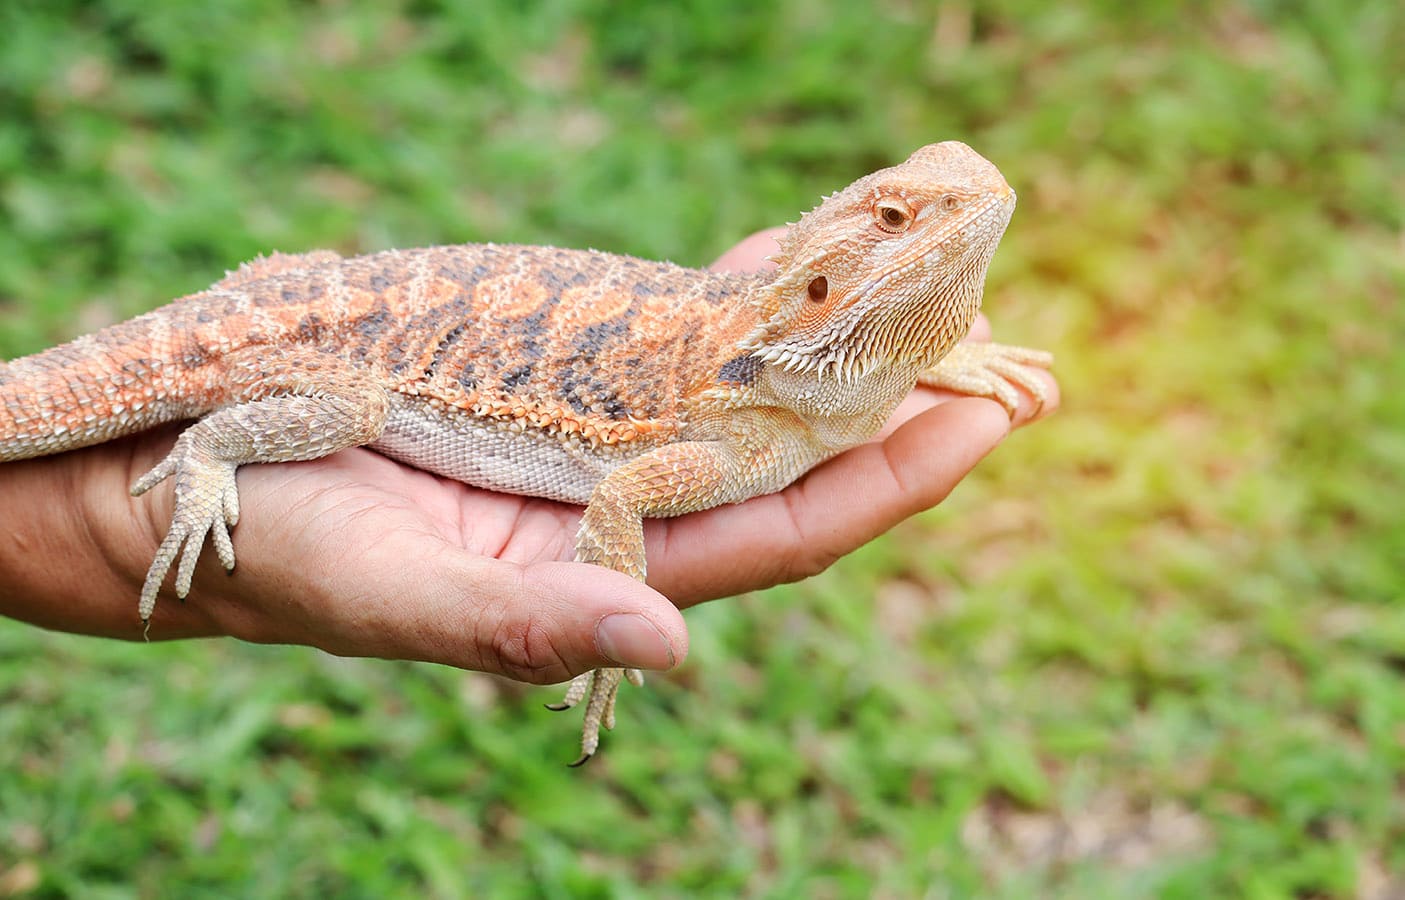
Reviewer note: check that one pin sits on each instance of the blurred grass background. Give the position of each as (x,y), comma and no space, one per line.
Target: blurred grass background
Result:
(1154,647)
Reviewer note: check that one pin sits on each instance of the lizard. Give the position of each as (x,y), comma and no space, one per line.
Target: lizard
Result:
(633,388)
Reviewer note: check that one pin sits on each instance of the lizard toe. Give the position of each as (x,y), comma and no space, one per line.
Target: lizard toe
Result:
(157,474)
(604,685)
(224,546)
(575,692)
(231,506)
(166,555)
(993,371)
(190,555)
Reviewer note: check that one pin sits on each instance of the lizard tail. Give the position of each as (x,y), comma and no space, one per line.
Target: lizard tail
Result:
(93,389)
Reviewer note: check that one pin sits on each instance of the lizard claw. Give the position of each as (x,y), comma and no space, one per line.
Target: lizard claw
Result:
(603,686)
(574,693)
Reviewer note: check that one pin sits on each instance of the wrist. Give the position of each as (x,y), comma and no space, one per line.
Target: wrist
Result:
(71,548)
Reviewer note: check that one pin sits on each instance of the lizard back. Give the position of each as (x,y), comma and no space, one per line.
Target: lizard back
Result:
(534,370)
(572,346)
(605,346)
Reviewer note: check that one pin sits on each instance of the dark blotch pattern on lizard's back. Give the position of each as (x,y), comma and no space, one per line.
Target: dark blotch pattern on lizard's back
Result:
(610,348)
(544,334)
(740,370)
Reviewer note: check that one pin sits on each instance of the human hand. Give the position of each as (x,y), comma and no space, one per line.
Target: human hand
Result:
(361,556)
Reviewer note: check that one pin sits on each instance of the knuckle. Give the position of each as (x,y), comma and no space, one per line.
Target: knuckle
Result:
(525,650)
(818,560)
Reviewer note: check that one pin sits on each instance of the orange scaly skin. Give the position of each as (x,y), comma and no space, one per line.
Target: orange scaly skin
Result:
(637,388)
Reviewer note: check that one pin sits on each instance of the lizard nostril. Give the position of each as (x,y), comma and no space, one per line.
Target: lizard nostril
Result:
(819,289)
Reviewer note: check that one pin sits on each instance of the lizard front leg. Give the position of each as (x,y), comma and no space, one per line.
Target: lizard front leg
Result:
(980,369)
(669,481)
(284,404)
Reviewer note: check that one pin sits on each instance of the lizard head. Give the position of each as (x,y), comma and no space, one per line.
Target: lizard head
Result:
(887,272)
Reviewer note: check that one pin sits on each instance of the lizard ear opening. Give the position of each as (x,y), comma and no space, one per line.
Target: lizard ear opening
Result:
(818,290)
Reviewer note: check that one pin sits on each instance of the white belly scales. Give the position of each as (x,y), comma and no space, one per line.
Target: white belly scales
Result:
(491,456)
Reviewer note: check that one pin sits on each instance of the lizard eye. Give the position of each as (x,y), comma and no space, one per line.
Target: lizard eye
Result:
(951,202)
(819,289)
(892,218)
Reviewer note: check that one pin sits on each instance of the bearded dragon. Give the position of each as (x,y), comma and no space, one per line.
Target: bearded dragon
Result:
(635,388)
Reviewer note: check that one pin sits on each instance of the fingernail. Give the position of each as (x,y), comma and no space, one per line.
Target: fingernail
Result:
(633,641)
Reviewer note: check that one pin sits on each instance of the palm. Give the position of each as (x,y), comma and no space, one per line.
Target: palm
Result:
(337,507)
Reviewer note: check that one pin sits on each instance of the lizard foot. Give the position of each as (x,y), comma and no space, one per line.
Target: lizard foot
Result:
(207,504)
(992,371)
(602,685)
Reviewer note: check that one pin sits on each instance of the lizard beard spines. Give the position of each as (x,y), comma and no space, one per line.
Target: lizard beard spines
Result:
(842,364)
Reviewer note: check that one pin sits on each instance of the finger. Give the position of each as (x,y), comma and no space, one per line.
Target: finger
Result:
(834,509)
(843,504)
(980,330)
(542,623)
(408,596)
(922,399)
(750,254)
(1029,411)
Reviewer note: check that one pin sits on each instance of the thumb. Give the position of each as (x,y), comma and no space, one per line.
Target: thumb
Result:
(541,622)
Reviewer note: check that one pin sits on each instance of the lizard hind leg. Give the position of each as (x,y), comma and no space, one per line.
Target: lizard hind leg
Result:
(670,480)
(284,405)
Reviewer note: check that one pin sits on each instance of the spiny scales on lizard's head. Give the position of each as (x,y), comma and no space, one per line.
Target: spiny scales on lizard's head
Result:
(888,271)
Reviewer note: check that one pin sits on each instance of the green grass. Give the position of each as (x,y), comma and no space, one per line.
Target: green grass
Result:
(1154,647)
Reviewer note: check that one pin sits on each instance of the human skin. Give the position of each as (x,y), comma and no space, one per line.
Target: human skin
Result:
(361,556)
